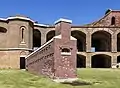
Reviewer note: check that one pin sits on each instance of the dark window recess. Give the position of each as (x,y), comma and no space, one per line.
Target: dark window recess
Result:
(36,38)
(22,62)
(22,33)
(65,50)
(113,21)
(3,30)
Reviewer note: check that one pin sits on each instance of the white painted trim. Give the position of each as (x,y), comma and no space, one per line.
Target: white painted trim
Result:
(40,47)
(24,18)
(17,17)
(3,19)
(22,55)
(59,36)
(43,25)
(15,49)
(72,38)
(66,53)
(63,20)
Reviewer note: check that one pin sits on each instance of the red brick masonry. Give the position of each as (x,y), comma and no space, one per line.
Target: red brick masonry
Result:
(57,57)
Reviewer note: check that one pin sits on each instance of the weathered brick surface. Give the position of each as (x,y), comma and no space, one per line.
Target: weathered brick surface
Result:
(10,59)
(65,65)
(106,20)
(57,59)
(42,61)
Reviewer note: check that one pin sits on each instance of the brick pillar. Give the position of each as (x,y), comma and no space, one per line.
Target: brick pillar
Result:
(43,38)
(114,59)
(63,27)
(65,51)
(88,42)
(114,43)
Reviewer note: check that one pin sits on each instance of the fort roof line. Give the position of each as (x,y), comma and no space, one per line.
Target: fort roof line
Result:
(23,18)
(63,20)
(43,25)
(59,36)
(17,17)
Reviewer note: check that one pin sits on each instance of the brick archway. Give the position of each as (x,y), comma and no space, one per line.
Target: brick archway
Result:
(36,38)
(50,35)
(81,61)
(102,29)
(118,42)
(101,61)
(81,40)
(101,41)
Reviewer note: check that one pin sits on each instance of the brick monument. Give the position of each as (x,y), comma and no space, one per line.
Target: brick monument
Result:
(57,57)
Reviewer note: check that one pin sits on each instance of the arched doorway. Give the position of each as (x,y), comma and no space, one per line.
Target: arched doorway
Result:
(81,61)
(81,40)
(50,35)
(118,42)
(101,61)
(101,41)
(36,38)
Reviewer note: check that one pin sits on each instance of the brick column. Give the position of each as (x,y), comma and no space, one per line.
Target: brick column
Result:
(114,59)
(65,50)
(114,43)
(88,42)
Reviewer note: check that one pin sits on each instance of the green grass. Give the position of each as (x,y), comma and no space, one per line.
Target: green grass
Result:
(98,78)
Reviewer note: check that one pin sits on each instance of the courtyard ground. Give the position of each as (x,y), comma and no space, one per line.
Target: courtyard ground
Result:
(88,78)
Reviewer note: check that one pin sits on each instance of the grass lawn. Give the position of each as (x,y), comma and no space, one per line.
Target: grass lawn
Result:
(97,78)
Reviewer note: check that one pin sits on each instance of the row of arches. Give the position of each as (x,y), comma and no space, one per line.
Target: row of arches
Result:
(97,61)
(100,40)
(37,37)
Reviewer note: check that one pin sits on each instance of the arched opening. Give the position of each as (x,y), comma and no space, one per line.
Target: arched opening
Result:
(36,38)
(118,42)
(3,30)
(118,59)
(22,34)
(22,62)
(81,61)
(81,40)
(101,41)
(50,35)
(101,61)
(113,21)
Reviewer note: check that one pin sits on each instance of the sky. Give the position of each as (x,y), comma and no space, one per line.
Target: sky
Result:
(48,11)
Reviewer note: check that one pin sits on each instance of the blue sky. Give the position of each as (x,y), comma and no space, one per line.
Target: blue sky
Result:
(48,11)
